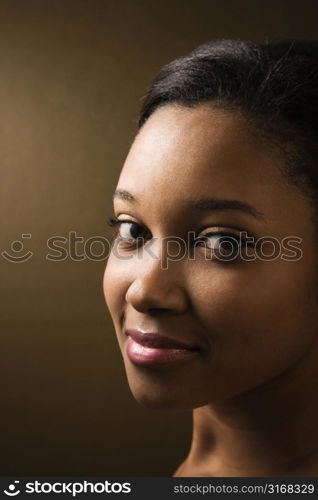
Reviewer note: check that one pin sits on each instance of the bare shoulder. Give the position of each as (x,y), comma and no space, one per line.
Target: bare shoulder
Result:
(180,472)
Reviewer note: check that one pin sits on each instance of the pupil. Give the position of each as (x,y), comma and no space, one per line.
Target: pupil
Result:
(226,244)
(134,231)
(226,247)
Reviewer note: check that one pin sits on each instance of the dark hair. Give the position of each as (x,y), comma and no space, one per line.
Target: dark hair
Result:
(274,85)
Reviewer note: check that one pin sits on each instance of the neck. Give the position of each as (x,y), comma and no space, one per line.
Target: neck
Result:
(271,430)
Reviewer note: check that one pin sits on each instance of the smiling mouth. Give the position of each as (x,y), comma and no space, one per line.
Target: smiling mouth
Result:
(148,348)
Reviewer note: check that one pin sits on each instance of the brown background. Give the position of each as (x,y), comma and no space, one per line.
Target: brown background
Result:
(71,77)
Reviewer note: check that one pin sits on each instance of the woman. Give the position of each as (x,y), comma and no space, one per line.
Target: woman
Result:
(212,279)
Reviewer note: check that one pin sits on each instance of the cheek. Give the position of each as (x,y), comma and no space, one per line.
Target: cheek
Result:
(266,294)
(258,321)
(115,287)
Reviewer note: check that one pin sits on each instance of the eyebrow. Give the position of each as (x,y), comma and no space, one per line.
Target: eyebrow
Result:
(204,204)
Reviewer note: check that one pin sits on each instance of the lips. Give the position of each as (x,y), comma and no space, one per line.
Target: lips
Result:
(149,348)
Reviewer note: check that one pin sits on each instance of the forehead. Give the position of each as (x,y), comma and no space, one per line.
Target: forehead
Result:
(184,153)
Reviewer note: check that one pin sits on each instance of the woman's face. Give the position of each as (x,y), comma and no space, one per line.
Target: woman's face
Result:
(247,319)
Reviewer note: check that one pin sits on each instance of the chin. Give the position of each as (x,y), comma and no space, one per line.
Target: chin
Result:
(154,403)
(164,396)
(162,404)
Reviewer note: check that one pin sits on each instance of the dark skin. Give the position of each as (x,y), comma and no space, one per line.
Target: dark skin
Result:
(252,389)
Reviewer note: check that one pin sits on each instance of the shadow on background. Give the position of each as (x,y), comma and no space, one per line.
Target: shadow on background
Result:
(72,74)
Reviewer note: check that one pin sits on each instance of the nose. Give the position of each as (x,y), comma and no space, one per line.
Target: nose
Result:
(157,287)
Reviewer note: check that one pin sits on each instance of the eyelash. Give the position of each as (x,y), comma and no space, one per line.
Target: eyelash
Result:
(115,222)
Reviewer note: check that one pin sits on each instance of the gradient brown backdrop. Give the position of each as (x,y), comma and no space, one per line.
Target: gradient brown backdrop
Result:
(71,77)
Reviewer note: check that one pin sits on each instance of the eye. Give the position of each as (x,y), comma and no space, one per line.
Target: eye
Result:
(224,246)
(128,231)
